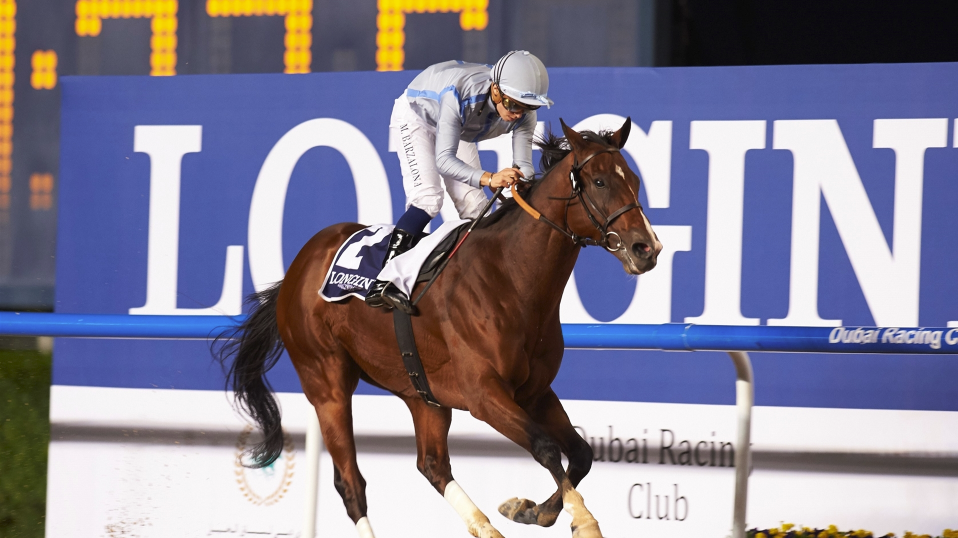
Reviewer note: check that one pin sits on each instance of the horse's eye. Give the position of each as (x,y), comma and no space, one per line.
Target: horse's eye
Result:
(600,184)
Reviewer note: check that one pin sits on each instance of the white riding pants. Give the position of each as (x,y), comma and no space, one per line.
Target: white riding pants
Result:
(415,144)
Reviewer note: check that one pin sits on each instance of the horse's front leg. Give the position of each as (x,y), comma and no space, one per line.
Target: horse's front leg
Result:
(432,450)
(549,414)
(491,403)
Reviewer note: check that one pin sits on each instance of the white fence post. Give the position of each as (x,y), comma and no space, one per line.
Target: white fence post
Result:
(314,445)
(744,398)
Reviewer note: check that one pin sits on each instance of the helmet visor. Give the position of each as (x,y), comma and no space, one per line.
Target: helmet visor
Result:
(515,106)
(526,98)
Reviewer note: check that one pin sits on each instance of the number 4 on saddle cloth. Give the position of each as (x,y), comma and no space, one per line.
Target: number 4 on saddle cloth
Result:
(359,260)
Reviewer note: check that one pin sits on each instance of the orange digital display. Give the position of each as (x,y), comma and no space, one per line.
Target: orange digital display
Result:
(41,192)
(299,25)
(90,15)
(44,75)
(8,45)
(391,22)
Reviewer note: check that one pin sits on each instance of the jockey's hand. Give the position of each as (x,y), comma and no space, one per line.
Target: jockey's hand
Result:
(502,178)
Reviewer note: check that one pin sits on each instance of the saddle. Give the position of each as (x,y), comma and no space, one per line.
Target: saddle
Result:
(439,254)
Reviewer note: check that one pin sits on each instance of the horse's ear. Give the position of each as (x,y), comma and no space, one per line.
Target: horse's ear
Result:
(575,139)
(619,137)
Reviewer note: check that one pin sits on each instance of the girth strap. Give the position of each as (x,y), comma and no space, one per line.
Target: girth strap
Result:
(410,356)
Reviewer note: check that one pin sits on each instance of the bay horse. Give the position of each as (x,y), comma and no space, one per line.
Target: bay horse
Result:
(488,334)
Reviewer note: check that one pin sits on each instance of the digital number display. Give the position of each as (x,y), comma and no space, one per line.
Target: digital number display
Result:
(299,24)
(90,15)
(391,22)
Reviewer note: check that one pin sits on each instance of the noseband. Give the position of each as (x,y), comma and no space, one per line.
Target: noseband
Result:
(588,204)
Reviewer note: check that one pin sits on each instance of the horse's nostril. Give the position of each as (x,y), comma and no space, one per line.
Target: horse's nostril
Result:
(641,250)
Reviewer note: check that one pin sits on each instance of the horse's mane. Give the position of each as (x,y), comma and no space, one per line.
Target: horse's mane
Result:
(554,148)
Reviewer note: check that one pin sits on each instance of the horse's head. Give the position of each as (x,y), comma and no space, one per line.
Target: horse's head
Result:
(608,209)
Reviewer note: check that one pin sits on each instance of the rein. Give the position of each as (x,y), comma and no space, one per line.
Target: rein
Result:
(578,191)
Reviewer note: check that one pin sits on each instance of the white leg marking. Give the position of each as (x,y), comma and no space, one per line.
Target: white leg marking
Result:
(460,502)
(583,524)
(364,529)
(477,522)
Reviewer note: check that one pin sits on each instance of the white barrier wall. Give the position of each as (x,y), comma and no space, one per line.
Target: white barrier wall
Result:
(163,463)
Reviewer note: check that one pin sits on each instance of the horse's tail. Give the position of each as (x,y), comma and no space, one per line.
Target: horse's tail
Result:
(254,348)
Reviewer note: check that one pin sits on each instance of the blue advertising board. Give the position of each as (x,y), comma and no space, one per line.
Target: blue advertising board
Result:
(798,195)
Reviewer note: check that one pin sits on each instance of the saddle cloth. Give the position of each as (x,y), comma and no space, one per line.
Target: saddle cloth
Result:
(358,261)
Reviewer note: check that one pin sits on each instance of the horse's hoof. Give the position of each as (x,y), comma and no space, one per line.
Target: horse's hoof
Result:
(520,511)
(589,529)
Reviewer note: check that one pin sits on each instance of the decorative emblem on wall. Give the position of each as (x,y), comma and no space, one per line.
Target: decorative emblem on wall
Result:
(266,486)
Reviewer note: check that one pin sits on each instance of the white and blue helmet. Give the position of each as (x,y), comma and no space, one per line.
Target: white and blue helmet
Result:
(523,78)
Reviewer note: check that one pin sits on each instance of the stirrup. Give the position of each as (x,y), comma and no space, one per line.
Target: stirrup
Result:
(374,297)
(393,298)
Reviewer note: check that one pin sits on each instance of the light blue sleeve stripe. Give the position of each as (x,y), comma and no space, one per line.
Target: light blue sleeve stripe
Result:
(422,93)
(469,101)
(429,94)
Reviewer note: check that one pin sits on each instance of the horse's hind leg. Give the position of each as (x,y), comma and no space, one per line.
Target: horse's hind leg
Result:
(494,406)
(329,384)
(547,411)
(432,449)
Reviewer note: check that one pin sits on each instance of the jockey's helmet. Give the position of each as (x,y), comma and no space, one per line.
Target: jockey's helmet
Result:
(522,77)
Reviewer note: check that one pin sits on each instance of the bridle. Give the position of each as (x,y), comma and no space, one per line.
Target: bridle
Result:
(578,191)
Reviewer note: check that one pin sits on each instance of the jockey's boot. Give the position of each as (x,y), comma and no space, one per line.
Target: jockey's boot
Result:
(400,241)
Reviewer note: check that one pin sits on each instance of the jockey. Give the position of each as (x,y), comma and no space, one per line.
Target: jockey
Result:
(444,112)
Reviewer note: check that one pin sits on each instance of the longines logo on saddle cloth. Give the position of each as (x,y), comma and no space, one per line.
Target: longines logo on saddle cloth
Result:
(357,263)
